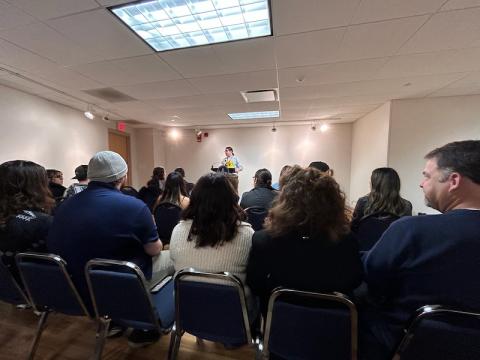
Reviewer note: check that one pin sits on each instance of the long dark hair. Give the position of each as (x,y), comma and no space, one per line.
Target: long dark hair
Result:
(214,210)
(174,189)
(157,175)
(23,186)
(385,193)
(311,204)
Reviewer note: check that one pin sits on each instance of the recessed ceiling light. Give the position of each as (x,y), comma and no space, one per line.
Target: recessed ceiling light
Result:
(174,24)
(254,115)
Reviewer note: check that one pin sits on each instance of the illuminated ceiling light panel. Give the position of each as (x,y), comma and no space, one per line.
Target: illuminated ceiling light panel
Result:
(254,115)
(174,24)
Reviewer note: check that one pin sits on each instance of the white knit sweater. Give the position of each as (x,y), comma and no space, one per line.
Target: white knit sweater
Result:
(232,256)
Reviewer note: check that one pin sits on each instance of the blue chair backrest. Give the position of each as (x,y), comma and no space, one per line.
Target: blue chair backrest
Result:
(48,284)
(256,216)
(120,292)
(307,326)
(371,228)
(167,216)
(211,311)
(441,334)
(10,290)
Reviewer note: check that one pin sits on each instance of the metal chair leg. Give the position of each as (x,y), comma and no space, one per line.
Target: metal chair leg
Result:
(102,331)
(175,339)
(38,334)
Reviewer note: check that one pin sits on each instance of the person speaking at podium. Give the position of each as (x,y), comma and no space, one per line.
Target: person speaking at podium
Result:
(231,162)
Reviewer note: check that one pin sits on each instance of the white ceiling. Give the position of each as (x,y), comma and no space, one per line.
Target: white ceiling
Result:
(330,59)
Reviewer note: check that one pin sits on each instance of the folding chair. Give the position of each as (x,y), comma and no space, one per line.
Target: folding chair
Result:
(211,307)
(440,333)
(120,293)
(370,228)
(305,325)
(49,288)
(10,290)
(166,216)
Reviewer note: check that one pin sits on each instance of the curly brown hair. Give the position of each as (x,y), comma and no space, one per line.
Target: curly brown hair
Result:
(310,203)
(23,186)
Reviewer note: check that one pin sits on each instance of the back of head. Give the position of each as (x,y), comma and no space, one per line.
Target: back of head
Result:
(319,165)
(180,171)
(263,178)
(81,173)
(214,210)
(384,196)
(310,204)
(174,188)
(23,186)
(107,167)
(52,173)
(462,157)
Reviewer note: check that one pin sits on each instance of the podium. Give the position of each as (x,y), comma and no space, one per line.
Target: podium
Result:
(229,173)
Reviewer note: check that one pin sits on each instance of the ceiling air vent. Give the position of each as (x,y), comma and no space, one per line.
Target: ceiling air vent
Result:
(109,94)
(260,95)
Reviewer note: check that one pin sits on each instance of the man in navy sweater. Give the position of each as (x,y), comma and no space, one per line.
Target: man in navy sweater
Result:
(432,259)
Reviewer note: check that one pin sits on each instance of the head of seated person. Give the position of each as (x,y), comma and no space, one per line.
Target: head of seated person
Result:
(174,191)
(384,196)
(321,166)
(263,179)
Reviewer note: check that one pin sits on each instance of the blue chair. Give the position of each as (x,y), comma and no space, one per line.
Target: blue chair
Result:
(49,288)
(442,334)
(370,228)
(211,307)
(167,216)
(304,325)
(256,216)
(10,290)
(120,293)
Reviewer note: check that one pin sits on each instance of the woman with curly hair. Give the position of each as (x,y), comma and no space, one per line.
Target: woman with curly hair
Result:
(25,202)
(306,243)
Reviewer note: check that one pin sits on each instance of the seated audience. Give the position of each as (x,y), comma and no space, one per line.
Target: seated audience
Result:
(276,185)
(129,190)
(81,176)
(306,244)
(384,197)
(212,236)
(101,222)
(262,194)
(150,193)
(188,185)
(430,259)
(25,203)
(174,191)
(55,184)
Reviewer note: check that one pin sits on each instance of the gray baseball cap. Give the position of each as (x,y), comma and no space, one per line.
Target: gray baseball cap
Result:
(107,166)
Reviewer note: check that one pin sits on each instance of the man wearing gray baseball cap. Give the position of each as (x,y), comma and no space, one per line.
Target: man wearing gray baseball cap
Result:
(101,222)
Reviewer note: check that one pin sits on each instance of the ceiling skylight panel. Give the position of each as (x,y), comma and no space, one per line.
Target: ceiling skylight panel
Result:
(170,24)
(254,115)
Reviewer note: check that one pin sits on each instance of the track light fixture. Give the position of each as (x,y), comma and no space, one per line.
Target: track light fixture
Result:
(89,113)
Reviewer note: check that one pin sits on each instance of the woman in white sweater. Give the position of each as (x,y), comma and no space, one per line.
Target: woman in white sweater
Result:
(212,236)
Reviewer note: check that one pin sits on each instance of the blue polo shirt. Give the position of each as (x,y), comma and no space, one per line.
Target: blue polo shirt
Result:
(101,222)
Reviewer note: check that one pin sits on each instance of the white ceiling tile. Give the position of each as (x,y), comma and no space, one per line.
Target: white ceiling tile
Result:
(205,100)
(130,71)
(11,17)
(446,30)
(375,10)
(102,33)
(459,4)
(308,15)
(439,62)
(378,39)
(468,85)
(310,48)
(348,71)
(259,80)
(192,62)
(22,59)
(45,41)
(158,90)
(47,9)
(246,55)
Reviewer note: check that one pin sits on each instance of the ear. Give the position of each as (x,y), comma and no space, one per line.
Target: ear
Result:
(454,180)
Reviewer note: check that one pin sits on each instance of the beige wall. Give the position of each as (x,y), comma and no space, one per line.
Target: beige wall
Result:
(259,147)
(420,125)
(369,149)
(50,134)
